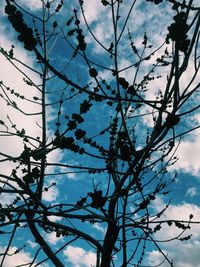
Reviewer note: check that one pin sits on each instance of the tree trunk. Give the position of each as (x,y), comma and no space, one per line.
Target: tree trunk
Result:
(109,244)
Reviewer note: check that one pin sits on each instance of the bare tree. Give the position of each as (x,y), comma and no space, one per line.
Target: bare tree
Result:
(97,129)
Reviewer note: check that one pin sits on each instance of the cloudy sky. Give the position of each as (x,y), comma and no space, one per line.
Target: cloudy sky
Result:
(145,17)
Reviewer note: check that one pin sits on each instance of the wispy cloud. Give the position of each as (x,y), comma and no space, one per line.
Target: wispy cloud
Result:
(31,4)
(100,228)
(192,191)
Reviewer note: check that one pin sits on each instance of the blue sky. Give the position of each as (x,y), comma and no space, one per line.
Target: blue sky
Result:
(71,186)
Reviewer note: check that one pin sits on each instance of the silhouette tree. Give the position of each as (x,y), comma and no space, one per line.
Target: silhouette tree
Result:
(114,126)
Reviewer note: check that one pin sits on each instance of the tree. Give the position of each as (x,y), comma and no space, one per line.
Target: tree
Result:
(109,110)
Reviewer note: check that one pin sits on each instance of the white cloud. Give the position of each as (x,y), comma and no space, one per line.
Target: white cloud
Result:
(32,5)
(54,218)
(180,212)
(6,199)
(184,254)
(18,258)
(11,77)
(93,10)
(56,156)
(154,258)
(12,145)
(79,257)
(52,238)
(52,193)
(188,154)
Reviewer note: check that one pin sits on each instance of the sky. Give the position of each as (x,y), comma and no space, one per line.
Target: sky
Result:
(70,187)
